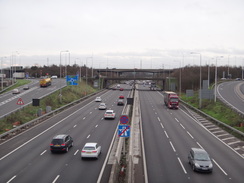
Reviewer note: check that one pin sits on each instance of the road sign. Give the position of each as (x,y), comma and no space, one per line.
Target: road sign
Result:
(124,131)
(72,80)
(124,119)
(20,102)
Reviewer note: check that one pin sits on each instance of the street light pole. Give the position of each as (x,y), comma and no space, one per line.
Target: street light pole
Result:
(200,82)
(60,74)
(215,87)
(86,74)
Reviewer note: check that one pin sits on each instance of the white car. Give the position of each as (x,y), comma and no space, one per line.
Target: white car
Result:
(91,150)
(98,99)
(102,106)
(109,114)
(26,87)
(15,91)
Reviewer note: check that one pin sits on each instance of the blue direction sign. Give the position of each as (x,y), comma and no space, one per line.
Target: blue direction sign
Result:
(124,119)
(72,80)
(124,131)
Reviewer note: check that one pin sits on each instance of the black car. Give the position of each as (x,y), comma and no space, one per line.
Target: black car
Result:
(120,102)
(61,143)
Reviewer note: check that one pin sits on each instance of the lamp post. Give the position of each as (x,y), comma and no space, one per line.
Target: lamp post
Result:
(2,71)
(215,87)
(60,74)
(86,73)
(200,81)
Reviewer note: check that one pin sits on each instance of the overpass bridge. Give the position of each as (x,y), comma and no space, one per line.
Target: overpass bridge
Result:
(114,75)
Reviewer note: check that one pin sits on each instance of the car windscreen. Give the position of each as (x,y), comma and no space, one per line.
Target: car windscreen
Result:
(202,157)
(174,99)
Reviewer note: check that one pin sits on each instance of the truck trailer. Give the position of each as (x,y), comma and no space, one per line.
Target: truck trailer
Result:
(171,100)
(45,82)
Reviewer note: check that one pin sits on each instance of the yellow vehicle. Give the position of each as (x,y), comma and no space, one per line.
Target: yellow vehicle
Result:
(45,82)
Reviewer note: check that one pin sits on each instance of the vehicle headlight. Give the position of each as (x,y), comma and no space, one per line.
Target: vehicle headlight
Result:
(211,165)
(197,165)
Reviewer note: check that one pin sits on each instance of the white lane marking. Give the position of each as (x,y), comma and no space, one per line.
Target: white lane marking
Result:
(177,120)
(159,119)
(88,136)
(156,113)
(43,152)
(182,166)
(84,118)
(166,134)
(76,152)
(12,179)
(199,145)
(56,179)
(90,112)
(96,126)
(190,135)
(182,126)
(162,125)
(74,126)
(172,146)
(219,167)
(37,136)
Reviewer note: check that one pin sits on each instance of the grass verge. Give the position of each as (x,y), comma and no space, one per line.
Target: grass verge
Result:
(28,113)
(218,110)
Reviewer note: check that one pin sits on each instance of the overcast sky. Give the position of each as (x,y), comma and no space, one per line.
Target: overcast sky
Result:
(122,33)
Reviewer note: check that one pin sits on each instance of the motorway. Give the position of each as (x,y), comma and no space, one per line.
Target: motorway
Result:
(168,137)
(8,101)
(27,158)
(233,93)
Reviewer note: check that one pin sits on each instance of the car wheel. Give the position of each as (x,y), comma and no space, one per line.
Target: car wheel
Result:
(193,168)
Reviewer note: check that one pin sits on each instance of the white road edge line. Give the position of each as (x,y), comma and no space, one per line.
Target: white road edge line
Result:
(88,136)
(177,120)
(219,167)
(38,135)
(12,178)
(56,179)
(182,166)
(159,119)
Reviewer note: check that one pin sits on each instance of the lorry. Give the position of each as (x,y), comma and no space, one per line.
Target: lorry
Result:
(171,100)
(19,75)
(45,82)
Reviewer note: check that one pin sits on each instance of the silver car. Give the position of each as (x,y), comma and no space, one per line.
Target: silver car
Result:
(200,160)
(91,150)
(102,106)
(98,99)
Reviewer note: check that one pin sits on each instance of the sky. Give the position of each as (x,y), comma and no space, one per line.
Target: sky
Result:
(122,33)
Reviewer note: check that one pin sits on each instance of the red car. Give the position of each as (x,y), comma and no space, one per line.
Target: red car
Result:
(121,89)
(121,97)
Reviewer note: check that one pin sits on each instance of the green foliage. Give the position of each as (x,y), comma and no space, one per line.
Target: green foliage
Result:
(28,113)
(217,110)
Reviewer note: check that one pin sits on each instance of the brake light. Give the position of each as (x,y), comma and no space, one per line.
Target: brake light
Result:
(51,144)
(62,144)
(94,151)
(83,151)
